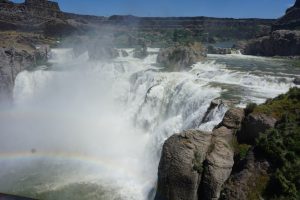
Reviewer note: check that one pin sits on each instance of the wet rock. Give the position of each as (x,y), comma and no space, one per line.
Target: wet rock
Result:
(140,52)
(179,58)
(216,50)
(216,103)
(297,81)
(13,61)
(253,125)
(180,167)
(124,53)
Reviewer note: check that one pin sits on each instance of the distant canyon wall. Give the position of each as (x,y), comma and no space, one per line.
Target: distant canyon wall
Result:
(38,14)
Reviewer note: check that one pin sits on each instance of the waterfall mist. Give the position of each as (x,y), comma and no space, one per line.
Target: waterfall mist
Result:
(83,129)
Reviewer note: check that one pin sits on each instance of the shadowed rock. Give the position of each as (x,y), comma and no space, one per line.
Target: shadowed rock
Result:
(291,19)
(279,43)
(253,125)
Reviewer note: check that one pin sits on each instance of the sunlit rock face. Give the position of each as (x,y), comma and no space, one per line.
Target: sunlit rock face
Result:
(291,19)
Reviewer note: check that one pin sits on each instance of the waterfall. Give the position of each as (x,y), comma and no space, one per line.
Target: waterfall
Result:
(101,125)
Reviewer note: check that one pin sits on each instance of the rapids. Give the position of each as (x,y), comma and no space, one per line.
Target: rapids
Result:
(82,129)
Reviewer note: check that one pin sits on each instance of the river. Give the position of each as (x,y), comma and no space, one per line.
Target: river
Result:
(81,129)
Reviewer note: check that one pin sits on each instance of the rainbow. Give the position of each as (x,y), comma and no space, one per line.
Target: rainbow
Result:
(101,163)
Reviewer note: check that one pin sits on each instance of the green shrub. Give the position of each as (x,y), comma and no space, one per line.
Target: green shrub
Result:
(281,145)
(197,163)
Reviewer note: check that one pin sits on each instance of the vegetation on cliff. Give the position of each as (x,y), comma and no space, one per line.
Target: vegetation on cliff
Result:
(281,145)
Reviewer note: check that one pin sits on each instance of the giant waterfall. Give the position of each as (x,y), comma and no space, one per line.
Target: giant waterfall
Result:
(83,129)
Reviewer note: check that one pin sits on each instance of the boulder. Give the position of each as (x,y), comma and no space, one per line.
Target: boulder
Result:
(253,125)
(179,58)
(180,167)
(279,43)
(297,81)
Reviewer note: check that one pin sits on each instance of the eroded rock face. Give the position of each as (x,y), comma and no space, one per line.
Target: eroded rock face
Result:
(179,172)
(253,125)
(179,58)
(13,61)
(194,165)
(218,164)
(279,43)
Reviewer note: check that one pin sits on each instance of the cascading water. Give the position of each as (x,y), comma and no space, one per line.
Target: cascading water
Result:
(85,129)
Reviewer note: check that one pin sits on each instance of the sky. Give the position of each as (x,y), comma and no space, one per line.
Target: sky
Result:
(149,8)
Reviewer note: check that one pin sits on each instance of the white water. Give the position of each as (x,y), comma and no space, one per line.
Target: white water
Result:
(114,114)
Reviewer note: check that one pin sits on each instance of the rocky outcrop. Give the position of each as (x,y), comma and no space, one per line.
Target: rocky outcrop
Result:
(35,15)
(218,164)
(283,41)
(179,58)
(217,50)
(102,50)
(180,167)
(13,61)
(249,182)
(296,81)
(194,164)
(140,52)
(253,125)
(279,43)
(291,19)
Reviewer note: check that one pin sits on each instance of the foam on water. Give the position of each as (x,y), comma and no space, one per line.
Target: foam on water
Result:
(119,112)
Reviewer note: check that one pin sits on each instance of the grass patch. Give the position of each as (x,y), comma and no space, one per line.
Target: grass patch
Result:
(240,150)
(286,104)
(197,162)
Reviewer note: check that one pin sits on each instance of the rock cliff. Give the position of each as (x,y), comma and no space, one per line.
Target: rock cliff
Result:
(194,164)
(13,61)
(251,154)
(279,43)
(291,19)
(283,41)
